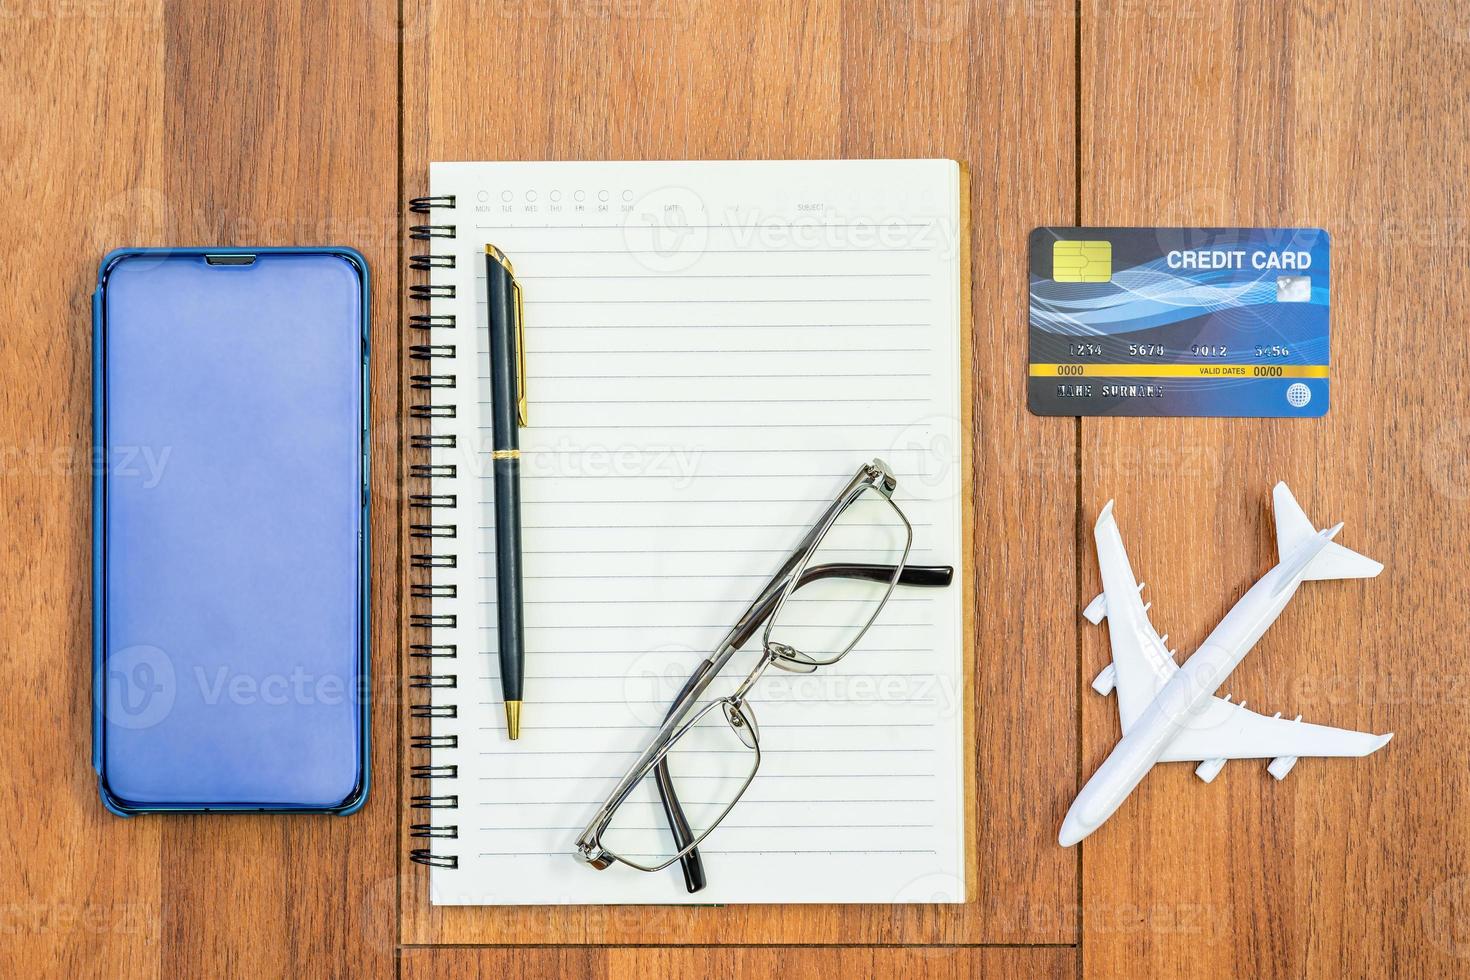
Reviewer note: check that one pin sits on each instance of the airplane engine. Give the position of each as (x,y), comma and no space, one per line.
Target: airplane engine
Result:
(1209,769)
(1104,681)
(1096,609)
(1279,767)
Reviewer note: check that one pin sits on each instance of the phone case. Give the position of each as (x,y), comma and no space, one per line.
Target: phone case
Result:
(207,694)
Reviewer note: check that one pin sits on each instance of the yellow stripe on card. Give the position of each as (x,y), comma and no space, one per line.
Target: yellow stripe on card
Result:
(1178,370)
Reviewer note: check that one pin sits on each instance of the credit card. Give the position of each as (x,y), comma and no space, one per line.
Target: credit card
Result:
(1179,321)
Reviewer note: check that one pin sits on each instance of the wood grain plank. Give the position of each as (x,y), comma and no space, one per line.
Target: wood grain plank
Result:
(764,79)
(1348,116)
(154,124)
(280,124)
(1020,126)
(728,963)
(79,889)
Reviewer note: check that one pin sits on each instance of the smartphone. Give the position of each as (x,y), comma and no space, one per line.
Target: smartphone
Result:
(230,519)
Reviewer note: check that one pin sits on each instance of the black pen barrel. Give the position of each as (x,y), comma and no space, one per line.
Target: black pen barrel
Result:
(508,576)
(504,311)
(500,294)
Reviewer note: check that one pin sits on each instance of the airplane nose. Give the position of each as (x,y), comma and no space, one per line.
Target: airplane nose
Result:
(1072,831)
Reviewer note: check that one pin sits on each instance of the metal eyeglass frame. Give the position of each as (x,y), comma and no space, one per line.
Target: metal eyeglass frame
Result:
(792,575)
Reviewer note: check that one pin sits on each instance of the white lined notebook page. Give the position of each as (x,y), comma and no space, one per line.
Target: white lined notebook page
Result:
(712,350)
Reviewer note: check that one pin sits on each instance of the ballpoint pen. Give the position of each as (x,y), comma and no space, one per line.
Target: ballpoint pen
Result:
(508,414)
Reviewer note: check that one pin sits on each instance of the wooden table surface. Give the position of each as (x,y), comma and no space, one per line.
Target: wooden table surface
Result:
(145,122)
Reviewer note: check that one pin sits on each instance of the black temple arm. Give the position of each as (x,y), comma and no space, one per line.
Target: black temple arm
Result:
(691,864)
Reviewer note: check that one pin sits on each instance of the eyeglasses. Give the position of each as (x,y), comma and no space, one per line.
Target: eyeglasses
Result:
(816,608)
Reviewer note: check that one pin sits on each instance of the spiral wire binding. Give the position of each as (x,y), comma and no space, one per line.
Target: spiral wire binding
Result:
(429,548)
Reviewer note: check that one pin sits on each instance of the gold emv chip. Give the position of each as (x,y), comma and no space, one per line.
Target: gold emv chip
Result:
(1081,261)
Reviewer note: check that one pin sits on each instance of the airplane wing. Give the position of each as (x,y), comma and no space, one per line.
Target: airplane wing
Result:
(1226,730)
(1141,661)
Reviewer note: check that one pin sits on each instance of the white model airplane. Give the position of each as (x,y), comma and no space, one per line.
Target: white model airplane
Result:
(1169,713)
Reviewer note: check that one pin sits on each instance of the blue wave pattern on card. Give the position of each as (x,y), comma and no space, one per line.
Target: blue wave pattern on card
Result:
(1189,322)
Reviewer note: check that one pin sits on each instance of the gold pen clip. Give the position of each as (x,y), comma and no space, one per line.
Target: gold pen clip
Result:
(520,354)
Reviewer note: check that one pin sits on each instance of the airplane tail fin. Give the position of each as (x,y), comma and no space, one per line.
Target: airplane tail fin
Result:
(1334,561)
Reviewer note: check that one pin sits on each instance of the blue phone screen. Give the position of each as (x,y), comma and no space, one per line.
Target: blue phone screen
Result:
(230,531)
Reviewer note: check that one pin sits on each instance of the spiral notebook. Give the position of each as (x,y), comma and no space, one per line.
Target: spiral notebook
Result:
(712,348)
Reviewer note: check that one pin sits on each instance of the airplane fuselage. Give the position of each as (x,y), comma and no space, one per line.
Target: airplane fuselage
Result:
(1187,694)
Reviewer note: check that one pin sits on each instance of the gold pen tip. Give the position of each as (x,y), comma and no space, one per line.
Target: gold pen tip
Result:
(513,719)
